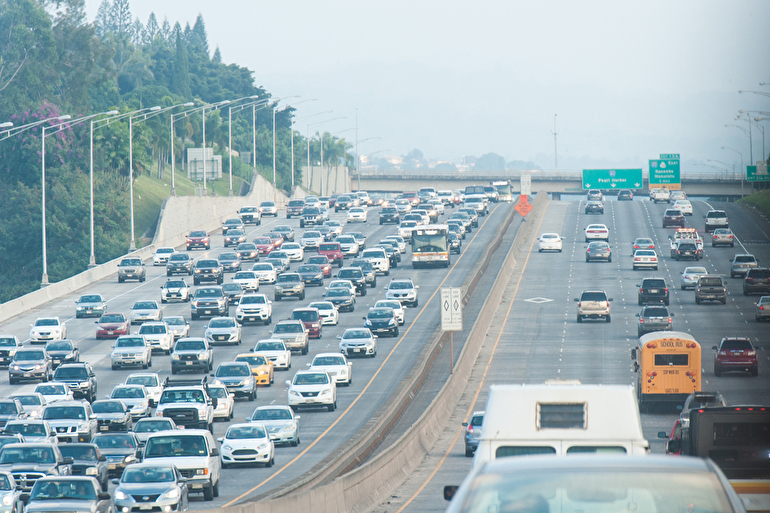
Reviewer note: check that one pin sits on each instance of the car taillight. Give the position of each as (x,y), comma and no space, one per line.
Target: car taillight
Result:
(751,353)
(761,307)
(669,319)
(470,428)
(665,290)
(641,291)
(641,320)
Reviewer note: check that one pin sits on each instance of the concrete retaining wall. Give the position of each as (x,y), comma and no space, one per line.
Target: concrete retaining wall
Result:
(370,484)
(178,215)
(336,180)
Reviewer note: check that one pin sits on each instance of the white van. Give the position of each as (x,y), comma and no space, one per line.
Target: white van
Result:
(560,418)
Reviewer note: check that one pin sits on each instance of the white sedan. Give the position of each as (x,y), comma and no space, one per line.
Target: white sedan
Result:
(135,397)
(336,365)
(247,443)
(597,232)
(276,351)
(294,251)
(225,402)
(550,242)
(46,329)
(327,311)
(53,392)
(684,206)
(161,255)
(356,215)
(645,258)
(248,280)
(265,272)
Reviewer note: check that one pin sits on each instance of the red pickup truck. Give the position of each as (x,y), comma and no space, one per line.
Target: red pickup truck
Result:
(332,251)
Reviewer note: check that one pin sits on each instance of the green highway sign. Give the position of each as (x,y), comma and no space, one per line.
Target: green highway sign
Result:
(669,156)
(757,173)
(612,179)
(665,172)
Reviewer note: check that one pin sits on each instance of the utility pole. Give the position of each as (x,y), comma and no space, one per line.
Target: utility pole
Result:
(555,154)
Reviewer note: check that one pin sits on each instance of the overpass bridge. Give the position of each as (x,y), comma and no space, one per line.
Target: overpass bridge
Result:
(555,183)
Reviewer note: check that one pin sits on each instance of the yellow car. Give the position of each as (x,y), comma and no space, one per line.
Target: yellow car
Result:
(261,367)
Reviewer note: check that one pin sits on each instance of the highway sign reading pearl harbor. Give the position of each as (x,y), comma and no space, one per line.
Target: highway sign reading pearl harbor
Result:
(612,179)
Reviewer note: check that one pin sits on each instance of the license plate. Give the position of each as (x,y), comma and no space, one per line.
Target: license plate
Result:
(89,311)
(207,312)
(57,361)
(196,486)
(653,291)
(104,428)
(188,363)
(356,350)
(309,400)
(27,374)
(110,333)
(147,507)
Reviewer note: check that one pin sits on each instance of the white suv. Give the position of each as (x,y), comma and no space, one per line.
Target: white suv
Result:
(716,219)
(403,290)
(157,335)
(379,259)
(253,308)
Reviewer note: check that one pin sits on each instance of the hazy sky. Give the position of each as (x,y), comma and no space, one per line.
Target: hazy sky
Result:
(627,80)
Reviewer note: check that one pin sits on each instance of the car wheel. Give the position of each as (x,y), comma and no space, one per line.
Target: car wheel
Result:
(145,365)
(754,371)
(208,493)
(387,273)
(295,442)
(270,462)
(277,298)
(579,318)
(608,319)
(252,396)
(120,280)
(468,453)
(717,371)
(697,300)
(331,407)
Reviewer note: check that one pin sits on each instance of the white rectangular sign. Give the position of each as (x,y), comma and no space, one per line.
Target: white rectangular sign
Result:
(526,184)
(451,309)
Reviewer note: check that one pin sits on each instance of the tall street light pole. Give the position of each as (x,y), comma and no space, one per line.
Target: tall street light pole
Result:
(310,183)
(307,140)
(230,131)
(214,106)
(741,173)
(762,129)
(358,160)
(132,244)
(275,108)
(292,139)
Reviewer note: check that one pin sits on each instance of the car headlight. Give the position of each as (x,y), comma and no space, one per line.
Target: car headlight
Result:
(171,494)
(84,384)
(368,322)
(37,367)
(262,446)
(294,392)
(174,356)
(202,411)
(326,391)
(201,471)
(391,322)
(202,356)
(82,428)
(92,471)
(262,372)
(129,459)
(120,495)
(15,367)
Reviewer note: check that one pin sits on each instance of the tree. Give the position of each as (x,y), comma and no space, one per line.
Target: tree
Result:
(165,29)
(103,23)
(199,40)
(181,78)
(490,162)
(150,30)
(217,57)
(120,19)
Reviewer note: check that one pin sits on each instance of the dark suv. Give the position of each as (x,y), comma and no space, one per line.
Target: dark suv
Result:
(80,378)
(311,216)
(757,280)
(735,354)
(673,217)
(389,215)
(208,270)
(653,290)
(686,249)
(356,275)
(311,319)
(179,263)
(294,207)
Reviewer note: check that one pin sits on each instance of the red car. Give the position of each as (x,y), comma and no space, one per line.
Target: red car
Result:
(277,239)
(310,318)
(735,354)
(323,261)
(264,245)
(332,251)
(674,439)
(112,325)
(333,199)
(198,239)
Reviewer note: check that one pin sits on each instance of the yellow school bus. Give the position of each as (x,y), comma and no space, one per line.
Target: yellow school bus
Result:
(668,367)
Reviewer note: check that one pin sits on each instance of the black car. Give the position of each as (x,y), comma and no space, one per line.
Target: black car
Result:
(87,460)
(80,377)
(381,320)
(233,291)
(686,250)
(207,270)
(757,280)
(389,215)
(366,266)
(234,237)
(231,224)
(311,274)
(247,251)
(341,297)
(625,195)
(455,243)
(356,275)
(121,450)
(62,351)
(594,207)
(652,291)
(112,415)
(230,262)
(179,263)
(343,203)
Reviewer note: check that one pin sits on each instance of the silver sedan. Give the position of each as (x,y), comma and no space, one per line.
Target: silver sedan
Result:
(690,277)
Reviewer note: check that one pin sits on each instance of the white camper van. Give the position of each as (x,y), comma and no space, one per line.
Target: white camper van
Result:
(560,417)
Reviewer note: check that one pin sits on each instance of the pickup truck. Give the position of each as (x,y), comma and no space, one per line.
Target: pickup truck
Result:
(735,438)
(188,403)
(29,462)
(660,195)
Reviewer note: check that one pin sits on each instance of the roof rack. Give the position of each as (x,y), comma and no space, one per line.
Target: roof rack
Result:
(168,382)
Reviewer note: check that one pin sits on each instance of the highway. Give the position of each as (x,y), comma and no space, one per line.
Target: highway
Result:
(322,432)
(535,336)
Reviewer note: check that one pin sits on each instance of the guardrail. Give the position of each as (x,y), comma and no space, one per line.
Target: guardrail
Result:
(369,484)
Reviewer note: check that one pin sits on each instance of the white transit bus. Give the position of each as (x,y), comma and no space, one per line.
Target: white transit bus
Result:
(430,246)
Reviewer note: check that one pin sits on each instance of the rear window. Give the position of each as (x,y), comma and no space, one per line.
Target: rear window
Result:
(654,284)
(593,296)
(716,214)
(655,312)
(710,282)
(329,247)
(758,273)
(304,315)
(736,345)
(745,259)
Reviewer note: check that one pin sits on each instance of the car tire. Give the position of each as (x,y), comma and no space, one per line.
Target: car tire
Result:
(295,442)
(331,407)
(754,371)
(252,396)
(208,493)
(717,371)
(697,300)
(468,453)
(270,463)
(579,318)
(145,365)
(295,409)
(608,319)
(120,280)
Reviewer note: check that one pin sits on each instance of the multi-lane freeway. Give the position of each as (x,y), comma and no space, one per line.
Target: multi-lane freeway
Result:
(322,433)
(535,335)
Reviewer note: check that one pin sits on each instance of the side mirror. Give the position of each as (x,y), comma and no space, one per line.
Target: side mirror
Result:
(221,439)
(576,300)
(102,457)
(449,492)
(67,461)
(215,451)
(610,299)
(633,354)
(288,382)
(465,424)
(308,364)
(339,337)
(714,348)
(671,314)
(662,434)
(637,315)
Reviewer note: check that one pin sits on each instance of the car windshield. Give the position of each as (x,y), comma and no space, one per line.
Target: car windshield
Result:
(312,235)
(350,273)
(9,407)
(29,400)
(179,257)
(208,292)
(270,346)
(254,361)
(395,305)
(328,360)
(131,341)
(267,204)
(263,267)
(145,305)
(71,373)
(288,327)
(64,412)
(253,300)
(262,240)
(649,283)
(90,299)
(78,452)
(128,393)
(226,370)
(222,323)
(29,355)
(7,341)
(115,441)
(197,233)
(175,446)
(59,345)
(175,284)
(356,333)
(150,426)
(245,275)
(380,313)
(62,490)
(148,475)
(309,269)
(108,407)
(246,246)
(232,288)
(51,389)
(148,381)
(340,284)
(338,292)
(314,378)
(152,329)
(245,432)
(271,414)
(400,285)
(190,345)
(182,396)
(26,429)
(47,322)
(131,262)
(321,305)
